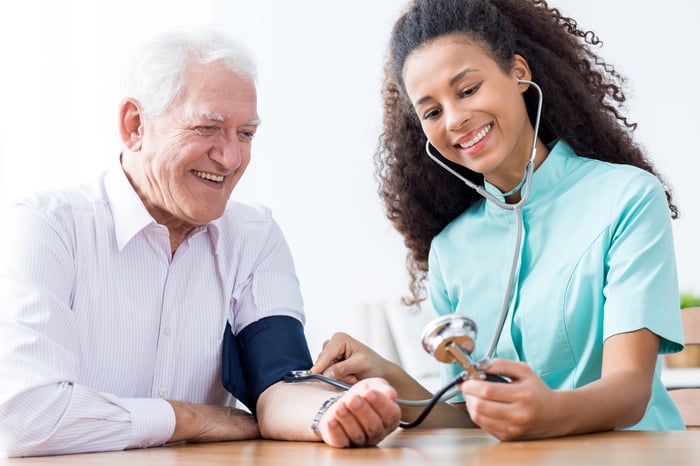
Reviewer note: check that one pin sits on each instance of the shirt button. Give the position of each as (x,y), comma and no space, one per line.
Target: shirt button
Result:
(167,331)
(162,392)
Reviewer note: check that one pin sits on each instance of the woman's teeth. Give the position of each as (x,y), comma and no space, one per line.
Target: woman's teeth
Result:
(479,136)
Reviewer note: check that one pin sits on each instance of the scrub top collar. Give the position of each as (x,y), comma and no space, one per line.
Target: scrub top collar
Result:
(546,177)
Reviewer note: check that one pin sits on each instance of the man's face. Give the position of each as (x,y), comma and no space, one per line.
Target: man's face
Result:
(194,153)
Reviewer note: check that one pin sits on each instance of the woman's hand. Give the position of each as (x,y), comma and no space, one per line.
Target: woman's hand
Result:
(346,359)
(524,408)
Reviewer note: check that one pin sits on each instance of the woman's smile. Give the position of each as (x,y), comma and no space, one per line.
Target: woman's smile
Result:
(475,142)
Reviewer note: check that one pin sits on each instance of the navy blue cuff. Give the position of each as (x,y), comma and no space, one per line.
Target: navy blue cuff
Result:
(261,355)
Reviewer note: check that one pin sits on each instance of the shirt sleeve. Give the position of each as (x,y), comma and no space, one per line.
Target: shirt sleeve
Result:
(641,287)
(43,408)
(272,287)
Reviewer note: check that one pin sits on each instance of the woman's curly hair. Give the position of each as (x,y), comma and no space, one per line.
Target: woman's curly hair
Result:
(584,98)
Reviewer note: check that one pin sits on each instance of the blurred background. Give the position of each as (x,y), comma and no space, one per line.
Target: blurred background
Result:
(320,68)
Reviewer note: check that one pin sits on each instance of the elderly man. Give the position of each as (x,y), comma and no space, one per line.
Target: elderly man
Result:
(120,299)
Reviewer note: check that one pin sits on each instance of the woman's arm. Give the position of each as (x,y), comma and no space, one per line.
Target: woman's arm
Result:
(527,409)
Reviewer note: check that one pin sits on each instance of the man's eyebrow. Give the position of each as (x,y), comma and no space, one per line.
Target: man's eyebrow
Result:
(211,116)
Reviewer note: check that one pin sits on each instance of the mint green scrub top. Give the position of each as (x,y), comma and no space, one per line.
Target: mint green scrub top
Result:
(597,260)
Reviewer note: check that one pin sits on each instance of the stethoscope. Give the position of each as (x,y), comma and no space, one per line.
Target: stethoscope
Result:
(525,183)
(450,338)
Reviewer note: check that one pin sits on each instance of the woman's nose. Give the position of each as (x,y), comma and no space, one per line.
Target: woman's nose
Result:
(455,117)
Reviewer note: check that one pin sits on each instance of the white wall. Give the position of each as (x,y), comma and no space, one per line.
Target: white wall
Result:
(320,69)
(655,45)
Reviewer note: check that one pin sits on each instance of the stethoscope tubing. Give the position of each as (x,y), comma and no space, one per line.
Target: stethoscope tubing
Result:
(517,210)
(444,394)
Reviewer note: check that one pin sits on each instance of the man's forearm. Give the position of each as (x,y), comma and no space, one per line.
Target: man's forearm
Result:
(362,416)
(284,420)
(207,423)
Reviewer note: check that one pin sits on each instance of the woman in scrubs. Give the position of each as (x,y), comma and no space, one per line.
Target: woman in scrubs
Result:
(595,300)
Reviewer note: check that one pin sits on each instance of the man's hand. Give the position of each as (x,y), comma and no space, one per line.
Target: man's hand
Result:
(363,416)
(207,423)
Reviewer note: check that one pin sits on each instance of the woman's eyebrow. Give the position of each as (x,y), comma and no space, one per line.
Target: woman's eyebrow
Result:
(454,79)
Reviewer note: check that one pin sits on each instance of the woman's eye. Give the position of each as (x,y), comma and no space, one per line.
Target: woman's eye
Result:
(205,130)
(469,91)
(431,114)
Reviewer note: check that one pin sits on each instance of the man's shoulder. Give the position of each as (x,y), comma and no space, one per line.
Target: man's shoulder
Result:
(247,212)
(242,218)
(85,198)
(246,226)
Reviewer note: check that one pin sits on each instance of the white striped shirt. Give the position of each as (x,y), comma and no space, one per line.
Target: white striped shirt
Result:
(100,323)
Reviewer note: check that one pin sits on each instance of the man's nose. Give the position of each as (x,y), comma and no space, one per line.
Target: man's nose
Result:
(227,152)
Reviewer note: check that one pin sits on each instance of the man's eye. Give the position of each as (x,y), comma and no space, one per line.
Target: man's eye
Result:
(205,130)
(246,135)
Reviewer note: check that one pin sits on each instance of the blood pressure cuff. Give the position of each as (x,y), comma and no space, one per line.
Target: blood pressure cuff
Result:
(261,355)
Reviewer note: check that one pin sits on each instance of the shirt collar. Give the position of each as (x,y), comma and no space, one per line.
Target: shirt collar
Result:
(130,215)
(128,212)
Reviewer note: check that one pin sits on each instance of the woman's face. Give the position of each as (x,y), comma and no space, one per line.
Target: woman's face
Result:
(470,110)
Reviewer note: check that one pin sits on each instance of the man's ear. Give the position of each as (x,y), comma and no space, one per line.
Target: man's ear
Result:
(131,125)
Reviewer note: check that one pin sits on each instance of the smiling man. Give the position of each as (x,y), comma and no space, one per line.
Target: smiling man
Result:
(137,309)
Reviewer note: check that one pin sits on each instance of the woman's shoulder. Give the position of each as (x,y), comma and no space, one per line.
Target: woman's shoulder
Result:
(618,189)
(617,179)
(592,177)
(596,170)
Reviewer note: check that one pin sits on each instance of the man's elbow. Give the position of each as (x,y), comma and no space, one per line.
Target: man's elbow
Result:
(16,443)
(27,428)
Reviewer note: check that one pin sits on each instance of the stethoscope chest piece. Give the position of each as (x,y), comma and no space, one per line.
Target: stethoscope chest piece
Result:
(451,339)
(440,335)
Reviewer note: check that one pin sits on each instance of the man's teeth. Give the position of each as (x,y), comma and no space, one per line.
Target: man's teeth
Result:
(479,136)
(208,176)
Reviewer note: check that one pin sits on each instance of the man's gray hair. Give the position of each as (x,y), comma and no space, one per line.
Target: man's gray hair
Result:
(156,71)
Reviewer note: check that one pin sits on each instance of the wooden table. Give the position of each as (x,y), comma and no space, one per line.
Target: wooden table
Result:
(439,447)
